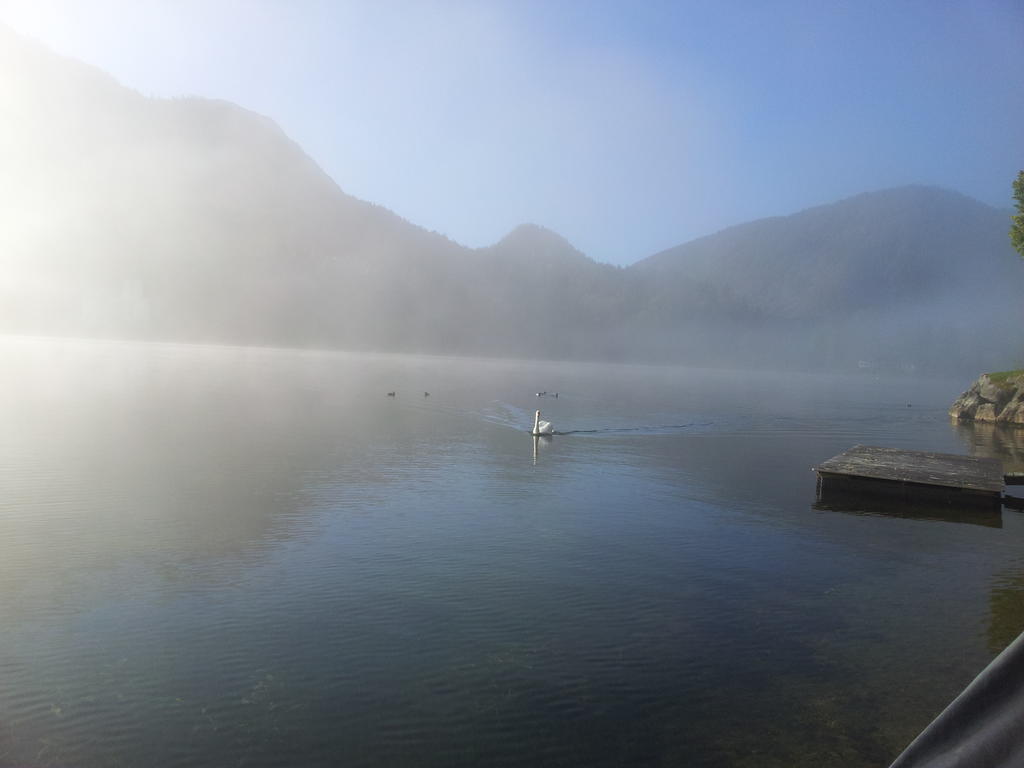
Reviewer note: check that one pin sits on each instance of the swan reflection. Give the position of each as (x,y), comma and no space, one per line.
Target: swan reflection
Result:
(539,440)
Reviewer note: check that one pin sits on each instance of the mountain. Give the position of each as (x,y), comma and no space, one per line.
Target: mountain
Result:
(183,218)
(194,219)
(867,251)
(914,275)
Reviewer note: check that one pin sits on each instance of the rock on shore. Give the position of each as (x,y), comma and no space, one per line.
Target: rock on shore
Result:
(994,400)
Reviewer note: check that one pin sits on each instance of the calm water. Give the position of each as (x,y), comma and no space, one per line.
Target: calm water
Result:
(214,557)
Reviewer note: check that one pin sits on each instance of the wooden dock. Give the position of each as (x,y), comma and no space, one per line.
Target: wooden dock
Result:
(912,475)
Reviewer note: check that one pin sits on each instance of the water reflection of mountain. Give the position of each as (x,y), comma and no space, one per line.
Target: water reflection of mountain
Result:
(1006,597)
(1006,603)
(187,462)
(995,441)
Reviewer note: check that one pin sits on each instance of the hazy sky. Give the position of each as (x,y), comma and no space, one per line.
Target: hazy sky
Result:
(627,127)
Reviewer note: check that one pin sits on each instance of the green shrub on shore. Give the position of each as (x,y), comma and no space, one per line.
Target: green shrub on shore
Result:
(1005,378)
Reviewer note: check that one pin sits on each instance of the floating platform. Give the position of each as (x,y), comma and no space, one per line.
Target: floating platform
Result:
(912,476)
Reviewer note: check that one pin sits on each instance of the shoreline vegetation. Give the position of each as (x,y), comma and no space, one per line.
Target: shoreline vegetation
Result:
(1006,378)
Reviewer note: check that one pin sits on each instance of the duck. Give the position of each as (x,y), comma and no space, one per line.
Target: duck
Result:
(541,427)
(391,394)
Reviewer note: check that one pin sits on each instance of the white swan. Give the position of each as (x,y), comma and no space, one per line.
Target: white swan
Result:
(541,427)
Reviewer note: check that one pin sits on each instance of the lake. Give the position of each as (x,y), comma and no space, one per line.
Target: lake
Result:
(215,556)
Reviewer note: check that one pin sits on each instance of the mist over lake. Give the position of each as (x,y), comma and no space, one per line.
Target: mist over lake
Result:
(197,220)
(217,555)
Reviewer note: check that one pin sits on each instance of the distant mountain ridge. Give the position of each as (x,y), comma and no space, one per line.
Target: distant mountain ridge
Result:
(862,251)
(194,219)
(912,276)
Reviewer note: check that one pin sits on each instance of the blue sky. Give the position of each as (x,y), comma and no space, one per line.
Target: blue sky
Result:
(627,127)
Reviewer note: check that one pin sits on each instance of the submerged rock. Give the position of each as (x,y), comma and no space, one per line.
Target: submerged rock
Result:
(992,398)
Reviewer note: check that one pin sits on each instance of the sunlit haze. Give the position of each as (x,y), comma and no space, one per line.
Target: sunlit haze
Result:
(625,127)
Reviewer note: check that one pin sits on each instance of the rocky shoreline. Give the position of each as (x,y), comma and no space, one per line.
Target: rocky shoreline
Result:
(997,398)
